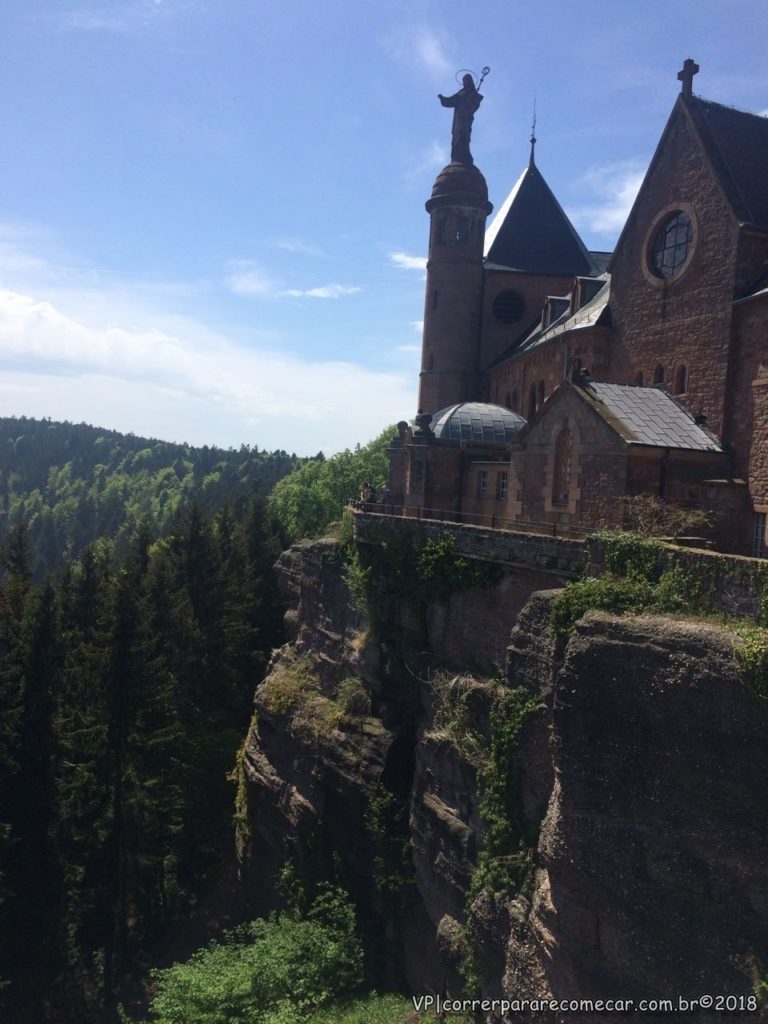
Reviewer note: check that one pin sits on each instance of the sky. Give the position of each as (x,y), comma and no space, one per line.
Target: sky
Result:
(212,223)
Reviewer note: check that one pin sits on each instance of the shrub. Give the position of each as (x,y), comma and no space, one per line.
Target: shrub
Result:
(606,593)
(267,972)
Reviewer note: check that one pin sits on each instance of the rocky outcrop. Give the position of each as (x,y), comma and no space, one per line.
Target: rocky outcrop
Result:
(641,775)
(653,856)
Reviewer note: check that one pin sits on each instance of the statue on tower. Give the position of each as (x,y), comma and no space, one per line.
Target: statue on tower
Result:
(465,104)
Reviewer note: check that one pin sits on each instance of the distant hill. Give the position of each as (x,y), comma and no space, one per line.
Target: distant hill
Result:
(73,484)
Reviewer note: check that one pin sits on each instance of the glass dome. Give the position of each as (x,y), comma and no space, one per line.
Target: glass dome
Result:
(477,421)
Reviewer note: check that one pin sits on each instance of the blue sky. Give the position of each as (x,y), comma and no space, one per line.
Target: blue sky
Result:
(212,220)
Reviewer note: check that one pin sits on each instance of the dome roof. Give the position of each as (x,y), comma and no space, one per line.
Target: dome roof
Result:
(477,421)
(460,182)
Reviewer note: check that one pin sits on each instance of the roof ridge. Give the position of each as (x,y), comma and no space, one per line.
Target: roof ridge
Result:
(730,107)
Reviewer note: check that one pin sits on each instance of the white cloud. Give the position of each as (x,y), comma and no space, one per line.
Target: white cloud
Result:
(203,388)
(422,46)
(430,50)
(435,156)
(326,291)
(615,187)
(246,278)
(295,245)
(406,262)
(126,16)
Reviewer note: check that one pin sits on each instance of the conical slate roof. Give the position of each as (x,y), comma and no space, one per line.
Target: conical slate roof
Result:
(531,232)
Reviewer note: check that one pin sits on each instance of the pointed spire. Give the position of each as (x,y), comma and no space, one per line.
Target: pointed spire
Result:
(532,161)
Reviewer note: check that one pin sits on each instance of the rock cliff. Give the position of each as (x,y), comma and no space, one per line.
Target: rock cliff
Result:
(616,784)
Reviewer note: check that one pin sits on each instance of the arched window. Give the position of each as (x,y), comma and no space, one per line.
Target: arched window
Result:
(658,375)
(532,401)
(561,476)
(681,380)
(639,378)
(540,400)
(513,403)
(508,400)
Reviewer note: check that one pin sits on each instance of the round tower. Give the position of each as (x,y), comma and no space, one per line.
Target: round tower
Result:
(457,208)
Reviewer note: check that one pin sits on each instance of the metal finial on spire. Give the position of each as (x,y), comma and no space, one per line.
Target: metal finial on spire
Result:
(533,131)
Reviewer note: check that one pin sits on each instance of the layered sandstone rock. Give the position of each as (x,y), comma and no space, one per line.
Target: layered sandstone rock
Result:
(645,765)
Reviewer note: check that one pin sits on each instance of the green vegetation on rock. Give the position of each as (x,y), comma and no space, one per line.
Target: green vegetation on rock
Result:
(646,575)
(276,971)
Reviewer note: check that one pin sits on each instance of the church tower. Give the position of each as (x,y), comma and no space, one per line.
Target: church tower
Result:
(458,208)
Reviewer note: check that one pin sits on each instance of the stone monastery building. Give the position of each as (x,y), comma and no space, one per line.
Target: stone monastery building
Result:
(556,382)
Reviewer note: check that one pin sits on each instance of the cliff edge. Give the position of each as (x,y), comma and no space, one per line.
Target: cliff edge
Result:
(589,820)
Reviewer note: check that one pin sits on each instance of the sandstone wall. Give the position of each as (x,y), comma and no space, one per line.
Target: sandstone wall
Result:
(643,770)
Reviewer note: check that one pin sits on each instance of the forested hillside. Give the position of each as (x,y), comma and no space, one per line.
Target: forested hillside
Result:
(71,484)
(124,694)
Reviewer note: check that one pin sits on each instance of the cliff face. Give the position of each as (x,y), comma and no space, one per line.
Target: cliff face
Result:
(635,789)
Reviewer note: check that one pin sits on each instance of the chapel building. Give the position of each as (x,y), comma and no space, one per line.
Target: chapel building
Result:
(557,382)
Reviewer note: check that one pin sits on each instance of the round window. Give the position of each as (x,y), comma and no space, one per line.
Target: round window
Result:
(671,245)
(508,306)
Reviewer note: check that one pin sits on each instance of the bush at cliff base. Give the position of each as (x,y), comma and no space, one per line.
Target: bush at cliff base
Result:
(276,971)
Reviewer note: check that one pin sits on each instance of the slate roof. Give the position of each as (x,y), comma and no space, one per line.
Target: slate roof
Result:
(648,416)
(596,312)
(477,421)
(601,259)
(737,144)
(531,233)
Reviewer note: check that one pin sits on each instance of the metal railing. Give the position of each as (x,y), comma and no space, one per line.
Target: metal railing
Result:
(492,522)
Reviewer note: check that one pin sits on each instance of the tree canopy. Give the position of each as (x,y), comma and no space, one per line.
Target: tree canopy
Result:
(72,484)
(306,501)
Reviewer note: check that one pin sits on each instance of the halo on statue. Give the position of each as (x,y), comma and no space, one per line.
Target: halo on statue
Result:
(465,71)
(459,76)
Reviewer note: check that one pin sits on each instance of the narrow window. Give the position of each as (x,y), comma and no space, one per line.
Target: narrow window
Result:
(440,227)
(681,380)
(462,230)
(540,401)
(501,485)
(417,473)
(758,537)
(513,404)
(561,477)
(658,375)
(482,483)
(639,378)
(532,401)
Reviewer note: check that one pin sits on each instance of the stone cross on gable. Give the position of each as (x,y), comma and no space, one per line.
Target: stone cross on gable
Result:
(690,68)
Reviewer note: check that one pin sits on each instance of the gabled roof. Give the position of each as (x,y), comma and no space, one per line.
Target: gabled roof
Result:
(595,313)
(532,234)
(737,145)
(647,416)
